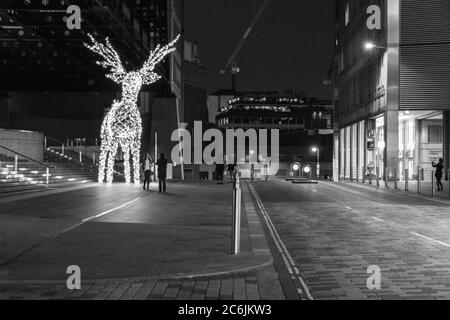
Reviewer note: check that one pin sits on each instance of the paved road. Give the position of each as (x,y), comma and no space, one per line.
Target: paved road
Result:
(133,244)
(334,232)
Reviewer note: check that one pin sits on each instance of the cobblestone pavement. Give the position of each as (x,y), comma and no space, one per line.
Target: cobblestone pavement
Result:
(334,232)
(260,285)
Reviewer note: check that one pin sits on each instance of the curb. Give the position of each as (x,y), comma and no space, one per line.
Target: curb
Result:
(301,288)
(389,190)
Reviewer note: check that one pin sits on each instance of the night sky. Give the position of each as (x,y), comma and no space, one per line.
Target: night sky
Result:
(291,46)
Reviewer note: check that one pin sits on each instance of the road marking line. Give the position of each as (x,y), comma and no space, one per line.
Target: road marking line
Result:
(431,239)
(110,210)
(66,230)
(286,256)
(378,219)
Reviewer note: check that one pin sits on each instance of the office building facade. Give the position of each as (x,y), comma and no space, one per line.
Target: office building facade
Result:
(391,88)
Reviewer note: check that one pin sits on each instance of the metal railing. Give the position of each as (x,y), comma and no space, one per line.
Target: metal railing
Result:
(65,147)
(420,181)
(16,161)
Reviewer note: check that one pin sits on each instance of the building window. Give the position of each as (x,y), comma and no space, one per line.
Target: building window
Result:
(434,134)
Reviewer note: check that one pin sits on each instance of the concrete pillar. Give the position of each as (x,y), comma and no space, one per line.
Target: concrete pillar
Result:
(393,84)
(418,142)
(446,142)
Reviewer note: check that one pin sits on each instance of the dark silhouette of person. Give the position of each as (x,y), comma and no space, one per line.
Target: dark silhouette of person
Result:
(147,167)
(162,172)
(438,174)
(230,170)
(220,168)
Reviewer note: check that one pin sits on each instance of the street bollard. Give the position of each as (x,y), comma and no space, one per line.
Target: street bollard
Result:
(16,163)
(406,179)
(419,185)
(378,176)
(47,175)
(395,179)
(448,187)
(62,149)
(386,173)
(236,237)
(81,157)
(93,158)
(432,184)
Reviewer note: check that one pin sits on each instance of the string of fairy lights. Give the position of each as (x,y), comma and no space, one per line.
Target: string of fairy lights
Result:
(122,125)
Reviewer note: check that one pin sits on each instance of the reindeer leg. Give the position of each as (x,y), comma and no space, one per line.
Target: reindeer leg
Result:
(126,162)
(111,158)
(102,161)
(135,150)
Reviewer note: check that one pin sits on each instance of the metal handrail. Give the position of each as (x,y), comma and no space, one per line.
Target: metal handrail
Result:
(26,157)
(55,140)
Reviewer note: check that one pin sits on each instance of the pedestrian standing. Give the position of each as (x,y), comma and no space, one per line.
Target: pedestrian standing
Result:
(147,167)
(230,171)
(438,174)
(220,168)
(162,172)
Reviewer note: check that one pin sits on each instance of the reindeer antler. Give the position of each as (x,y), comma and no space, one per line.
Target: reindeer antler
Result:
(112,59)
(156,56)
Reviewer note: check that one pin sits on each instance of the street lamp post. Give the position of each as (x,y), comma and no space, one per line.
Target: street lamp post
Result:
(317,151)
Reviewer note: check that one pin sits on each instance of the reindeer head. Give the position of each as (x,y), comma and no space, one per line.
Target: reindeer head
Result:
(131,81)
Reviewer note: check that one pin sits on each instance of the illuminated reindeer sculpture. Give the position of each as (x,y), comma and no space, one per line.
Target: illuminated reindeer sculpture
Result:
(122,125)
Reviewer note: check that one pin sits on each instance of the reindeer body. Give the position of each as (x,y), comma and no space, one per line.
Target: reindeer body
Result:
(122,125)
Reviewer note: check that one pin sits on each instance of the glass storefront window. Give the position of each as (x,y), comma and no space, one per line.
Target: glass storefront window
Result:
(347,152)
(380,146)
(354,151)
(361,149)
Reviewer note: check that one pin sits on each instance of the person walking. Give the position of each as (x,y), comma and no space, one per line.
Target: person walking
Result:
(438,174)
(162,172)
(147,167)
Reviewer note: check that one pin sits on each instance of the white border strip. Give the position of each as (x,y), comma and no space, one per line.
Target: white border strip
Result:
(110,210)
(431,239)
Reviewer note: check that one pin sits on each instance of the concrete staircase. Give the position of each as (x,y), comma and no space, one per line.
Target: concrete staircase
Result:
(65,170)
(31,176)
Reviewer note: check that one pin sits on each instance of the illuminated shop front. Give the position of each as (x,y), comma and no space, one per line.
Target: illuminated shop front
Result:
(420,142)
(391,92)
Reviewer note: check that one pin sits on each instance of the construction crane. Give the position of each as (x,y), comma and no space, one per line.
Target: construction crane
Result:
(231,63)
